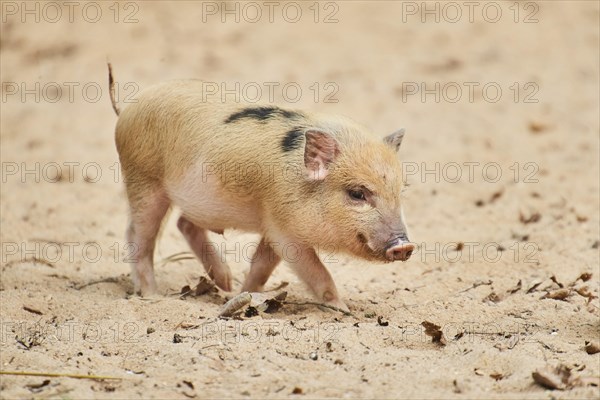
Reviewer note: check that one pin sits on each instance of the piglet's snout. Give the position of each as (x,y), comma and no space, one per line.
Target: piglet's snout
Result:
(400,251)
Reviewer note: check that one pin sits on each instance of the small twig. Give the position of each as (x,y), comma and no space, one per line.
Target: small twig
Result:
(111,90)
(32,310)
(151,300)
(50,241)
(477,284)
(35,260)
(492,333)
(181,256)
(365,346)
(278,287)
(110,279)
(58,375)
(184,294)
(314,303)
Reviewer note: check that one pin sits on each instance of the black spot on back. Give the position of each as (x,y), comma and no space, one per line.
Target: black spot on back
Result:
(261,114)
(293,139)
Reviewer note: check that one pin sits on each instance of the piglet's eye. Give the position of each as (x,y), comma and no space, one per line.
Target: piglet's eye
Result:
(356,194)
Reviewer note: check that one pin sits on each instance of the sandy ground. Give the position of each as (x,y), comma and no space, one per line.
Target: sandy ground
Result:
(525,142)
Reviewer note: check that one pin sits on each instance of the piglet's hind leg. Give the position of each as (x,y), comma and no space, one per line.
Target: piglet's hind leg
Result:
(144,225)
(264,262)
(207,252)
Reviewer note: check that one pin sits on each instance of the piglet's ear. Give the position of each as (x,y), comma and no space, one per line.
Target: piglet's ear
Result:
(395,139)
(320,151)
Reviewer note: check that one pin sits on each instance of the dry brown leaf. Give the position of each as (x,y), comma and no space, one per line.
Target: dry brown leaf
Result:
(37,387)
(458,388)
(497,376)
(553,378)
(186,290)
(204,286)
(433,330)
(584,277)
(548,381)
(537,127)
(584,381)
(560,294)
(584,291)
(561,378)
(276,302)
(250,312)
(496,196)
(533,287)
(268,303)
(553,279)
(530,219)
(592,347)
(32,337)
(509,344)
(516,288)
(493,297)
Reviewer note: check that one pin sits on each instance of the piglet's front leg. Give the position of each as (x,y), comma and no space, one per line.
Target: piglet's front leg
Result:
(309,268)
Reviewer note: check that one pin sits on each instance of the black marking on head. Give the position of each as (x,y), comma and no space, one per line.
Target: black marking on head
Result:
(261,114)
(293,139)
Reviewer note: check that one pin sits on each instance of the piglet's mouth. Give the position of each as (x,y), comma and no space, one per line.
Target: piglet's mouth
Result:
(369,253)
(366,248)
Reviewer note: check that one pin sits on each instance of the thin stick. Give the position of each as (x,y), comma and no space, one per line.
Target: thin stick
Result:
(34,260)
(278,287)
(58,375)
(111,90)
(476,285)
(110,279)
(313,303)
(181,256)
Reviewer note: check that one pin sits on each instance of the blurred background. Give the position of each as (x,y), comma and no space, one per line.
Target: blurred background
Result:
(510,87)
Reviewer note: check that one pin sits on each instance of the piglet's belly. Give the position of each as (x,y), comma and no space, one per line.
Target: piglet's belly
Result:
(208,205)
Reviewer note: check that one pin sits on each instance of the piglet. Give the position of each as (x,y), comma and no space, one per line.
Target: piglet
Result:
(303,181)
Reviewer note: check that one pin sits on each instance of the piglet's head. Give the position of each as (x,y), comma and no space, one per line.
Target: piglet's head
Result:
(358,183)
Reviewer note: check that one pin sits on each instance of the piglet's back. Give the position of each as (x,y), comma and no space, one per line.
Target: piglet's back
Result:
(173,125)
